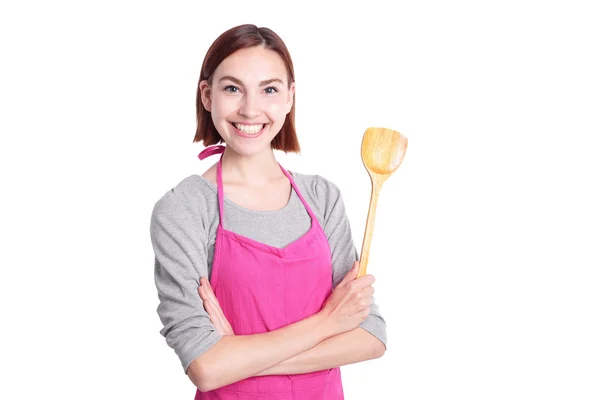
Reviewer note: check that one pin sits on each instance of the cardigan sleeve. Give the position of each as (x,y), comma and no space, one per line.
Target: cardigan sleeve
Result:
(179,242)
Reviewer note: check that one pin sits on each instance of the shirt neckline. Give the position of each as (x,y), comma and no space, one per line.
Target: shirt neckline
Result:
(293,199)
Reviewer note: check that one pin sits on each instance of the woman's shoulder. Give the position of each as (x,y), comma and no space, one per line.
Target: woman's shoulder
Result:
(319,188)
(182,212)
(191,191)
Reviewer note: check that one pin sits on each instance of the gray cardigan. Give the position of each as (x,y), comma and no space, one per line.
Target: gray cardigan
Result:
(183,227)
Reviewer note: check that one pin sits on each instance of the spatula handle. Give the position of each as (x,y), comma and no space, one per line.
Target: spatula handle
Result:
(376,183)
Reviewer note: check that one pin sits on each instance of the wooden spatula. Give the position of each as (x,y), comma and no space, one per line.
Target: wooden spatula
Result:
(382,152)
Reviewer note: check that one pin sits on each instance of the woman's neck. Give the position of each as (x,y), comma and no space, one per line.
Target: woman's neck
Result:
(255,170)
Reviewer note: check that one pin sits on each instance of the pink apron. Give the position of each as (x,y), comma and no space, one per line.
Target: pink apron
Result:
(262,288)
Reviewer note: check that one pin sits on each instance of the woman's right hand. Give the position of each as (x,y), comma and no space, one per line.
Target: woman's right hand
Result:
(350,302)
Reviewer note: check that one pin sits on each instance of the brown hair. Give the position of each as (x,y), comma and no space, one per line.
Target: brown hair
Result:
(241,37)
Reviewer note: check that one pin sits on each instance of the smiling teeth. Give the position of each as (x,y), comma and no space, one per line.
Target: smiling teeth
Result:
(251,129)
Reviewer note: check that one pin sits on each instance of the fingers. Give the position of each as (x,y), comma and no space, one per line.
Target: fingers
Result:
(362,301)
(207,294)
(213,308)
(363,314)
(362,282)
(212,298)
(202,293)
(359,291)
(204,283)
(215,317)
(210,308)
(218,319)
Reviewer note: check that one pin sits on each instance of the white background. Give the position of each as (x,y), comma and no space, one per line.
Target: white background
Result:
(486,245)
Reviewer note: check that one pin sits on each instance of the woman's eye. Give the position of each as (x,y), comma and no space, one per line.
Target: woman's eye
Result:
(232,89)
(273,91)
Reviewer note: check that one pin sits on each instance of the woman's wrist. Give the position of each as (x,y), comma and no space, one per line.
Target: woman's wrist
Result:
(325,327)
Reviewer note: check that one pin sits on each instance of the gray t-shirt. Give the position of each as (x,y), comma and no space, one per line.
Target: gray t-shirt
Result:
(183,228)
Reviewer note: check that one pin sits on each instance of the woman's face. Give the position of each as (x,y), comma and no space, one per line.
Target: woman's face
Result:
(249,99)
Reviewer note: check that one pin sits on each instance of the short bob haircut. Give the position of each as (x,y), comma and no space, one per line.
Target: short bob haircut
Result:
(241,37)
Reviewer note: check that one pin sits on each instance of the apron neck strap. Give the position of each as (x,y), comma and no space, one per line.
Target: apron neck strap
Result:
(207,152)
(219,149)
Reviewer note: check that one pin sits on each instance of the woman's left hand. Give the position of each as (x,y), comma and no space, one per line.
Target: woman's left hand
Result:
(213,308)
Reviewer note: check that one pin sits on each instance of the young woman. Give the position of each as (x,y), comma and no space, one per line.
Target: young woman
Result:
(255,265)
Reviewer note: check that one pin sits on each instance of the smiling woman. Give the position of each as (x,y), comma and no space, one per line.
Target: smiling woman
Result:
(255,265)
(254,108)
(253,85)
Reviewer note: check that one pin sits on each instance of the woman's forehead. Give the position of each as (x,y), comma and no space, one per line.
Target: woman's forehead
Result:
(252,65)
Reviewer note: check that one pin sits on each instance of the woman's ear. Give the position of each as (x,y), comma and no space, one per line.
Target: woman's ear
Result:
(205,93)
(290,99)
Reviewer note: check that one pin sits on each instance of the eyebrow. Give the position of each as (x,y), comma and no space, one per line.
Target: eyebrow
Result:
(261,83)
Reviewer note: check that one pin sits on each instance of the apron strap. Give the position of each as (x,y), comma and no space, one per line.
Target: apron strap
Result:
(295,187)
(207,152)
(219,149)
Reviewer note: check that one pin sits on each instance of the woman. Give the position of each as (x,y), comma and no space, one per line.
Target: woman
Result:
(283,309)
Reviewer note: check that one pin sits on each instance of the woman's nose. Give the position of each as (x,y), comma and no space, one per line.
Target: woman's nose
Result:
(250,106)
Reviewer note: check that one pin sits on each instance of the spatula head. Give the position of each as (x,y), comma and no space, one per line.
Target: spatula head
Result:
(383,150)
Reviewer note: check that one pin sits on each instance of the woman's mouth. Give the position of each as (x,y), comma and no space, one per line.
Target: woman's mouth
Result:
(250,131)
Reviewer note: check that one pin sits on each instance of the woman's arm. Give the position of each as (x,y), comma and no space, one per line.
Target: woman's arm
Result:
(346,348)
(329,202)
(234,358)
(179,240)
